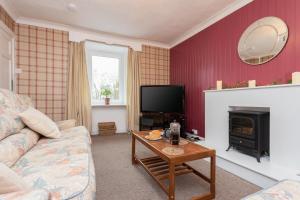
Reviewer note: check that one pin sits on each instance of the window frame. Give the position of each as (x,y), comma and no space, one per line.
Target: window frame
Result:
(122,56)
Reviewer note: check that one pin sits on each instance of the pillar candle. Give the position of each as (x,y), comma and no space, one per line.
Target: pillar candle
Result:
(296,78)
(219,85)
(252,83)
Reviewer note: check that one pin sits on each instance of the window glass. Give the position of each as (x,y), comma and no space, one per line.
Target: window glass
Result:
(107,71)
(105,75)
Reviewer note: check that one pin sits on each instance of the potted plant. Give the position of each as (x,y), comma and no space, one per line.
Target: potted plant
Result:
(106,92)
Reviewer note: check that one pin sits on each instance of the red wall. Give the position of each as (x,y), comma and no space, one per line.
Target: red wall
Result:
(212,55)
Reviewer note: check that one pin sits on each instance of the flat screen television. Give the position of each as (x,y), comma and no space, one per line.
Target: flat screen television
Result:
(162,98)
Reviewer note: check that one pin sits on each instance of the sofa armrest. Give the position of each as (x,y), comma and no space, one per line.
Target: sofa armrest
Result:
(36,194)
(66,124)
(290,187)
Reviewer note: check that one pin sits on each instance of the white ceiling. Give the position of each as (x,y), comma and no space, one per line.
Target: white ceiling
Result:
(155,20)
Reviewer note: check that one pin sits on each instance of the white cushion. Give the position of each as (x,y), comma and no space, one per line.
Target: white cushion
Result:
(10,181)
(40,123)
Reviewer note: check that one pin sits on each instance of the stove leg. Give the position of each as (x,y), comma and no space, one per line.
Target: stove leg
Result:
(258,158)
(229,147)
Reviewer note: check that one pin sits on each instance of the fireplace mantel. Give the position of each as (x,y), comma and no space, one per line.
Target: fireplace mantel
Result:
(283,104)
(255,88)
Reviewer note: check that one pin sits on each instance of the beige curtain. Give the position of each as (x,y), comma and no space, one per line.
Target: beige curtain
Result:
(133,89)
(78,94)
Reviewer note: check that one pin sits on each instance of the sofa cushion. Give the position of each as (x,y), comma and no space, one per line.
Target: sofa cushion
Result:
(27,195)
(78,133)
(10,181)
(40,123)
(14,146)
(10,123)
(90,190)
(59,165)
(14,101)
(10,106)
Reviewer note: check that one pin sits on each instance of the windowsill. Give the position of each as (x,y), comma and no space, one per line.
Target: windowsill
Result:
(110,105)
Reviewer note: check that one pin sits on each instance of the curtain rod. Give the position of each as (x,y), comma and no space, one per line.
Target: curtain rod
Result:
(120,45)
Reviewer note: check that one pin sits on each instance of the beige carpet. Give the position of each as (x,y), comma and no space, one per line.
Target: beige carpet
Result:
(117,179)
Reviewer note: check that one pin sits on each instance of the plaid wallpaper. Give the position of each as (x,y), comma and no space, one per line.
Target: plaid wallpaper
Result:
(7,20)
(155,66)
(42,54)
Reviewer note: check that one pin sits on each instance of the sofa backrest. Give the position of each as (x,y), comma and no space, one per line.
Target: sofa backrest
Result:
(13,147)
(11,105)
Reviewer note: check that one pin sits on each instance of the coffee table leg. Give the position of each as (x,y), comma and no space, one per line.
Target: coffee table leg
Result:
(133,158)
(213,175)
(171,181)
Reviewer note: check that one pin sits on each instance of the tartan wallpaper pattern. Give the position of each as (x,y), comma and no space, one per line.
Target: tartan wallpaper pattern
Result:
(42,54)
(155,66)
(7,20)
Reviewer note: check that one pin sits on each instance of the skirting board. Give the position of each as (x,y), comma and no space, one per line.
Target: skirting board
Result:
(97,133)
(244,173)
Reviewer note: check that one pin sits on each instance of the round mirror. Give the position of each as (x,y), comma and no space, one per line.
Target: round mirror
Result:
(263,40)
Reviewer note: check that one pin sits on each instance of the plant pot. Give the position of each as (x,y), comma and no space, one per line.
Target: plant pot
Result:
(107,101)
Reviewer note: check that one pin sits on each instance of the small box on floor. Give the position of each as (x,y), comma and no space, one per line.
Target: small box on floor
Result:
(107,128)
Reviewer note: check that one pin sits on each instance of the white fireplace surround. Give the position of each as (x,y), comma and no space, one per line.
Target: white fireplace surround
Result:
(283,103)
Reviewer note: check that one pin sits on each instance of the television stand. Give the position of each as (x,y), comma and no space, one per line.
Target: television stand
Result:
(152,121)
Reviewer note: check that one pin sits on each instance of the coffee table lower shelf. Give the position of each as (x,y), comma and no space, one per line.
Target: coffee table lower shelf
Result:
(159,170)
(166,167)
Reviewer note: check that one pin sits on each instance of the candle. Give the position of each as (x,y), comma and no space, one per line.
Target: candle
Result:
(296,78)
(252,83)
(219,85)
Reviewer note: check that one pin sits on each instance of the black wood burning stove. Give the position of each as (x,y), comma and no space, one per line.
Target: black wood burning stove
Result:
(249,132)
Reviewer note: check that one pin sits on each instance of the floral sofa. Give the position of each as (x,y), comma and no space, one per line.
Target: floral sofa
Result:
(283,190)
(53,168)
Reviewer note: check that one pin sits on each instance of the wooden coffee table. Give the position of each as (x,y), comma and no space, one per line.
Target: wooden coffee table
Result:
(165,166)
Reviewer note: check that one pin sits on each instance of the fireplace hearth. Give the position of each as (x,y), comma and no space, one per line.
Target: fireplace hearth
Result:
(249,132)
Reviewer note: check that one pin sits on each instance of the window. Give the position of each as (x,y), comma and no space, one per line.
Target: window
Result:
(107,70)
(105,74)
